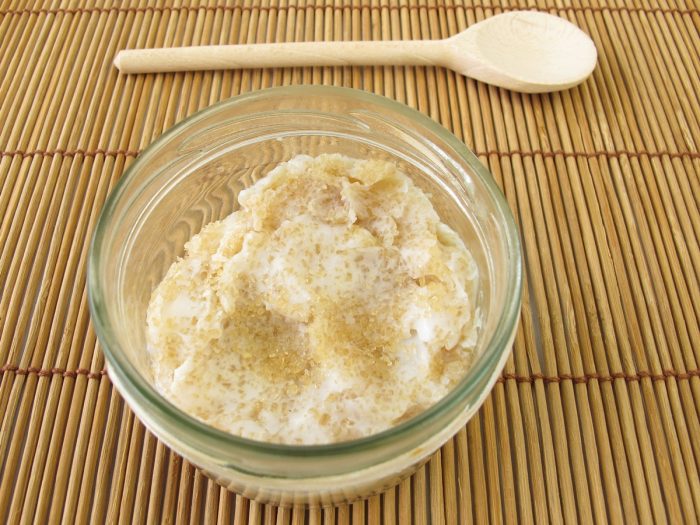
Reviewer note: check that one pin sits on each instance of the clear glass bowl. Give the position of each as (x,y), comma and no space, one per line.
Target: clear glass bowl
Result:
(192,175)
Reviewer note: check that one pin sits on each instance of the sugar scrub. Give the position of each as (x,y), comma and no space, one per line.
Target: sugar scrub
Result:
(332,305)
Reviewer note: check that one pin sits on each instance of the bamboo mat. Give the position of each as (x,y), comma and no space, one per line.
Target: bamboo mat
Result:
(596,417)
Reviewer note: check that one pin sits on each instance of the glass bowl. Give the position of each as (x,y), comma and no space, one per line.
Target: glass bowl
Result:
(192,174)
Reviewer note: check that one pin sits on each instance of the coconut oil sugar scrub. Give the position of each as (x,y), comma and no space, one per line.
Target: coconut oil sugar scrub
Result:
(332,305)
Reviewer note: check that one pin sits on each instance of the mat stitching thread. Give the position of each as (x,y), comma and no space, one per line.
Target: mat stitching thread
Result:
(591,154)
(48,372)
(117,9)
(70,153)
(522,153)
(586,378)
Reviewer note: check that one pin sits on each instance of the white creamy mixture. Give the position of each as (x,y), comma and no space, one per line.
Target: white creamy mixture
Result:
(333,305)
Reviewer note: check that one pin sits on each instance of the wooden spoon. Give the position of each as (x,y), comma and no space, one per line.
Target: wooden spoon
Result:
(524,51)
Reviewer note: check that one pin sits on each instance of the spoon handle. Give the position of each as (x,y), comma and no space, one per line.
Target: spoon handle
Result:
(355,53)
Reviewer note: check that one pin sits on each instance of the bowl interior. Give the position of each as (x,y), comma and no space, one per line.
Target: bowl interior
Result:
(201,188)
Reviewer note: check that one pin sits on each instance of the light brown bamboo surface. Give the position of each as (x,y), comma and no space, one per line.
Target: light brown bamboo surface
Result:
(597,415)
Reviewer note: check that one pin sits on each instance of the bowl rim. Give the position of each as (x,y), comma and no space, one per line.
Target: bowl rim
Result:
(120,365)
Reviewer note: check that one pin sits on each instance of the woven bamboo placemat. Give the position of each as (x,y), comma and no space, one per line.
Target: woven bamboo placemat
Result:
(596,415)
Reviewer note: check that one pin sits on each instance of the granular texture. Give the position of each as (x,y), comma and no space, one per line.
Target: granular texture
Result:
(333,305)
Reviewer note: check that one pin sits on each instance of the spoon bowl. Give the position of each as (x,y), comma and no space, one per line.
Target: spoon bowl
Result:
(526,51)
